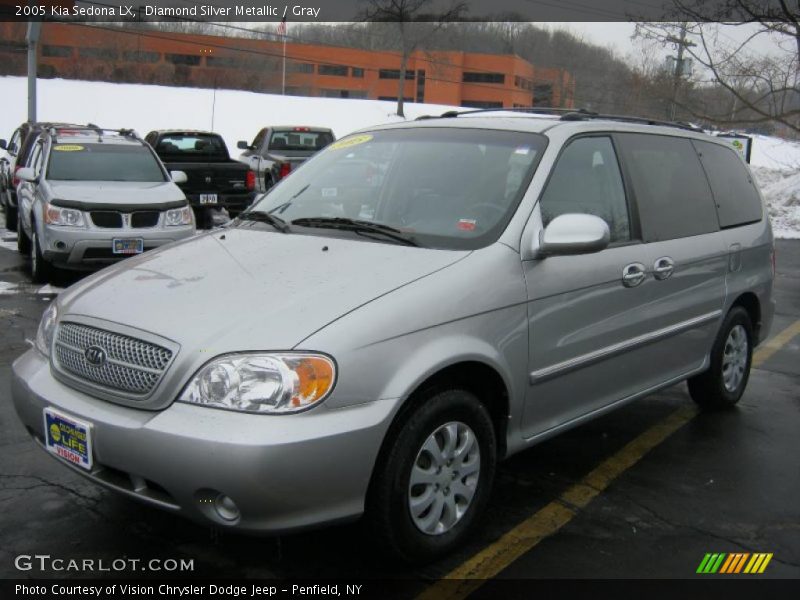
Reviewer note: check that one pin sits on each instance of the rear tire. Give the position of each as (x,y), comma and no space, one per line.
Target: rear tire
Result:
(433,485)
(41,270)
(723,384)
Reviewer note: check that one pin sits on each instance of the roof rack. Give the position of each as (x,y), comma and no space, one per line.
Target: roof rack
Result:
(580,116)
(540,110)
(100,131)
(567,114)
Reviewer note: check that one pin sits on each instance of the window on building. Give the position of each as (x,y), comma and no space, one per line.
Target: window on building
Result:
(141,56)
(98,53)
(357,72)
(337,70)
(543,94)
(483,78)
(481,104)
(222,61)
(297,67)
(190,60)
(394,74)
(56,51)
(420,86)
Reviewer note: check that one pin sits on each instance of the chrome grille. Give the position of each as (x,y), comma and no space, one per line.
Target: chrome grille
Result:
(132,366)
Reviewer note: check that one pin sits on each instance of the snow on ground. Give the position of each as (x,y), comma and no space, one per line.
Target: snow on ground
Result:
(238,115)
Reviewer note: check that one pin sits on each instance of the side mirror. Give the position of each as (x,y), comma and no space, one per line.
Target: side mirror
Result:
(3,145)
(242,145)
(574,234)
(178,177)
(26,174)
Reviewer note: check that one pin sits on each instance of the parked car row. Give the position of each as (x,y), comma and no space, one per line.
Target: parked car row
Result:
(81,196)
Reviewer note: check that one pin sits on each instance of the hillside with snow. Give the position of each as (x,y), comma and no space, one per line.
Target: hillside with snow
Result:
(238,115)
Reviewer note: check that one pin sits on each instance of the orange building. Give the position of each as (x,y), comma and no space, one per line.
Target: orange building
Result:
(441,77)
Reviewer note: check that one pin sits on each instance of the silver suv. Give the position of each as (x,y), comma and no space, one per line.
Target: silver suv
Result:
(88,197)
(412,305)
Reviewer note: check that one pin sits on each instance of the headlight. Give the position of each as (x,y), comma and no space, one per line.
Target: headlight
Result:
(179,216)
(277,383)
(47,326)
(57,215)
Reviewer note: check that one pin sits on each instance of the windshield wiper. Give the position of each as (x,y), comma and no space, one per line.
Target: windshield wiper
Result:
(358,226)
(263,217)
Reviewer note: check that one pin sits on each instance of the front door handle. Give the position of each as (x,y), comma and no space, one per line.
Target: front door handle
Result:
(663,268)
(633,274)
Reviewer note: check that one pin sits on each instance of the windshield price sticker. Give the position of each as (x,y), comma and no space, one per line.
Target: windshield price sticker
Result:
(68,148)
(350,142)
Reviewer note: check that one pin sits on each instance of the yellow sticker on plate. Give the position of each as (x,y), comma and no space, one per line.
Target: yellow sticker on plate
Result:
(350,141)
(68,148)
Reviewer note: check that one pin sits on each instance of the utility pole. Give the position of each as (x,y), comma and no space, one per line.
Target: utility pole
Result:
(682,43)
(34,29)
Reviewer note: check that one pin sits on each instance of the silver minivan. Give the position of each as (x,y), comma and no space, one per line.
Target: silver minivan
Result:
(412,305)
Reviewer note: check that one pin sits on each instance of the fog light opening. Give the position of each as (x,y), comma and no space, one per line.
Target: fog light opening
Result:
(61,245)
(226,508)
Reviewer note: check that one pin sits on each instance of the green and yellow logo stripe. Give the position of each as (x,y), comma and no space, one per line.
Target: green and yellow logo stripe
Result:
(734,563)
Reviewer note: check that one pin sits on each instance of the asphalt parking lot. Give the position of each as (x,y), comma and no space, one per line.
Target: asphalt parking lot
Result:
(645,492)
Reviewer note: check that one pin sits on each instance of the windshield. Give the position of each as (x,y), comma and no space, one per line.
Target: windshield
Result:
(299,139)
(191,147)
(447,188)
(103,162)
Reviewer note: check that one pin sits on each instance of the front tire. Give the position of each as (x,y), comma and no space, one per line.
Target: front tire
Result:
(41,270)
(723,384)
(23,241)
(434,483)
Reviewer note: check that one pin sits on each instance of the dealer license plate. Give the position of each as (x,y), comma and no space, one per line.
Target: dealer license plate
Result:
(208,198)
(131,246)
(68,438)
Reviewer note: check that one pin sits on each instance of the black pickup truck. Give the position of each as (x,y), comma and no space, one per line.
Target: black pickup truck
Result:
(278,150)
(215,180)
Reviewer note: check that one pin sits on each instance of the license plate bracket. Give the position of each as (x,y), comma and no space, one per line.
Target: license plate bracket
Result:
(67,438)
(127,246)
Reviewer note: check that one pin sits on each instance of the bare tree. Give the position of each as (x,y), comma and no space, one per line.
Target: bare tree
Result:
(415,24)
(760,88)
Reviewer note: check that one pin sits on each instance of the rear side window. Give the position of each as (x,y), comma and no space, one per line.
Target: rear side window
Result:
(587,180)
(735,194)
(672,192)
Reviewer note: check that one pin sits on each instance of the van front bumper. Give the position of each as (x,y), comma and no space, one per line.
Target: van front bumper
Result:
(282,472)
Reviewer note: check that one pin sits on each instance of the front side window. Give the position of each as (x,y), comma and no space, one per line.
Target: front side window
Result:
(587,180)
(102,162)
(443,187)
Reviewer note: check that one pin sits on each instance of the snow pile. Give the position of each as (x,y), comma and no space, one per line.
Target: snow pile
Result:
(775,153)
(781,188)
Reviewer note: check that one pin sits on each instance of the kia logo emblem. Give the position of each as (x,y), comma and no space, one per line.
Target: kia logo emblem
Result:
(95,356)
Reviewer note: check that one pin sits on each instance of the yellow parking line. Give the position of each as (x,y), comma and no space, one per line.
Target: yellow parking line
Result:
(771,346)
(471,574)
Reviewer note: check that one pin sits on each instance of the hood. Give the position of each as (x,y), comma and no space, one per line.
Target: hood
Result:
(248,289)
(116,192)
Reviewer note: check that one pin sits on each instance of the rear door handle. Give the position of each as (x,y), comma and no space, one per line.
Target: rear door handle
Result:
(633,274)
(663,268)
